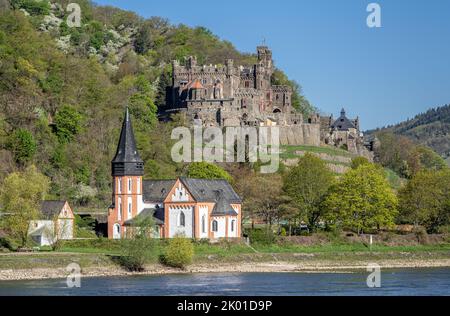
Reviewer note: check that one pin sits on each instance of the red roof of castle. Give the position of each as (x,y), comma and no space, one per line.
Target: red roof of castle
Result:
(197,85)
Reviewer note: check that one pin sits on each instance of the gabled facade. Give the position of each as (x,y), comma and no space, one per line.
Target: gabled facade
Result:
(56,222)
(194,208)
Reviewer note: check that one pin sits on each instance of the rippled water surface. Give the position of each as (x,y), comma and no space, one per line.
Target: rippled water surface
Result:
(393,282)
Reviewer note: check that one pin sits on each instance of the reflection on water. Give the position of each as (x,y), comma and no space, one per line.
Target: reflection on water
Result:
(393,282)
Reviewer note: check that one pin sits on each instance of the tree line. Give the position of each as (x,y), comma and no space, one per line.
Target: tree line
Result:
(361,200)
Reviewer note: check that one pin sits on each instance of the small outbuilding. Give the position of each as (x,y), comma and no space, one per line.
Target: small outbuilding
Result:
(57,222)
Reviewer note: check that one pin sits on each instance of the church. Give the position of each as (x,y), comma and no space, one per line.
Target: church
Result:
(193,208)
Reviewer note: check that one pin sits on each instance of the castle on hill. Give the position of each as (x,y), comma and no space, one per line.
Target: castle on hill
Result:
(231,95)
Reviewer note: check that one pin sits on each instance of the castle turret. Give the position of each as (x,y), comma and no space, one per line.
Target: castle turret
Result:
(263,71)
(196,91)
(127,169)
(192,62)
(264,56)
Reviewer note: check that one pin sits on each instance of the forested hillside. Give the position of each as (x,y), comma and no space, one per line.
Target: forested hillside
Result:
(431,128)
(63,90)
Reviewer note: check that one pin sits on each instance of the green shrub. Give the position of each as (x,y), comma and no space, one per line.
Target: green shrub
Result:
(136,252)
(33,7)
(178,253)
(23,146)
(87,222)
(67,123)
(8,243)
(205,170)
(261,236)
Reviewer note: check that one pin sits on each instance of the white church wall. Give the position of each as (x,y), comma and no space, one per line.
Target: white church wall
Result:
(175,228)
(230,232)
(221,222)
(180,194)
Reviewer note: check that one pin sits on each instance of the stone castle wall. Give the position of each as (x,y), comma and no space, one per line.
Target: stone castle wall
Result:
(303,134)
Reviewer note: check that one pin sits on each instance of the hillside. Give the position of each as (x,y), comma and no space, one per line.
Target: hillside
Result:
(63,90)
(431,128)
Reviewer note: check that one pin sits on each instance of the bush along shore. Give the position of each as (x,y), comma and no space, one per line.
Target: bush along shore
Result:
(319,252)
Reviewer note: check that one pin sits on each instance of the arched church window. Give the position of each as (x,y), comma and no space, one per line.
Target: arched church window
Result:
(116,231)
(215,226)
(203,224)
(232,225)
(182,220)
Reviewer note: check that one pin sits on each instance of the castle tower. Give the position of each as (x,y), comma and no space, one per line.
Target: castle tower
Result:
(127,171)
(263,75)
(264,56)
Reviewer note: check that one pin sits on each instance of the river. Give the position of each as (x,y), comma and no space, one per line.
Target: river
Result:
(393,282)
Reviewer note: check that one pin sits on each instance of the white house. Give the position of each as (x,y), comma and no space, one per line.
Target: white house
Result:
(56,222)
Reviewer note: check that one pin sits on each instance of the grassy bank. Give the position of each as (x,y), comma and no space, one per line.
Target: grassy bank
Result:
(233,253)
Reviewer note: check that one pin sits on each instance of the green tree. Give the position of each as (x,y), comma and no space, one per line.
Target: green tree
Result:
(205,170)
(144,110)
(358,161)
(23,146)
(429,159)
(67,123)
(20,197)
(264,198)
(139,247)
(362,200)
(406,158)
(425,200)
(307,184)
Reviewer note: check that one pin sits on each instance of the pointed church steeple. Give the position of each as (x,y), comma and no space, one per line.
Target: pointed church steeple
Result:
(127,161)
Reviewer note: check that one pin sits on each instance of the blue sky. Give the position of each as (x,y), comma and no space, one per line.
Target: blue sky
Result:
(384,75)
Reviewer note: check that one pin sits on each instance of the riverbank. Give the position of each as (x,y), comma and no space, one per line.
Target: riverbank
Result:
(52,266)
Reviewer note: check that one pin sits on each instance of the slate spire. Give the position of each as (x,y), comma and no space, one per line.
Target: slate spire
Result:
(127,161)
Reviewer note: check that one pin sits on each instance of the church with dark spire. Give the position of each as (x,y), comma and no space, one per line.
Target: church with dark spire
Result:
(127,160)
(194,208)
